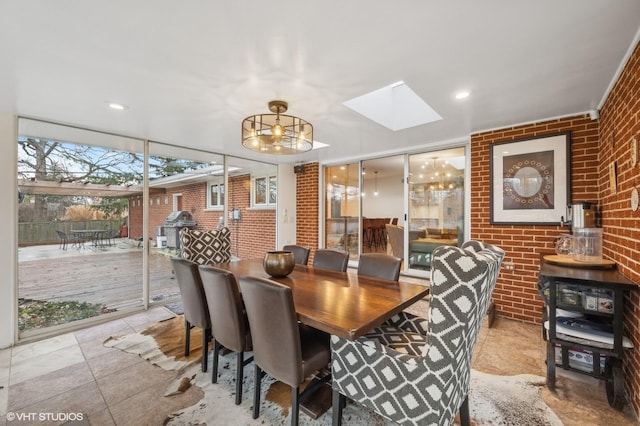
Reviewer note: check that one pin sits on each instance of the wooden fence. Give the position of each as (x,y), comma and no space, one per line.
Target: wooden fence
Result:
(38,233)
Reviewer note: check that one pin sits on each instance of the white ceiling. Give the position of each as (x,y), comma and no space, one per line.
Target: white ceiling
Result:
(189,72)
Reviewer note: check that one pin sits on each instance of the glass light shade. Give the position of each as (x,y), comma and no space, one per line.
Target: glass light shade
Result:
(277,133)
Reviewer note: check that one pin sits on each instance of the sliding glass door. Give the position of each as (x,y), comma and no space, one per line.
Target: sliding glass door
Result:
(342,208)
(404,205)
(436,203)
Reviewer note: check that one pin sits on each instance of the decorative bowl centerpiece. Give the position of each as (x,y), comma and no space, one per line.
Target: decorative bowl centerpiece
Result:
(279,263)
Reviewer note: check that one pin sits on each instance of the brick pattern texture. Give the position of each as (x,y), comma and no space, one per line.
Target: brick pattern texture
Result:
(307,207)
(516,294)
(251,237)
(619,123)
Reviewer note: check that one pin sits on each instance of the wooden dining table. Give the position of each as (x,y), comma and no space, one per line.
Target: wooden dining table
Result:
(339,303)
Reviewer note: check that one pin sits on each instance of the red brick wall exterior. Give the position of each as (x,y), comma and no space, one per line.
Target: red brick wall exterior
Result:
(619,122)
(516,294)
(255,234)
(307,207)
(251,237)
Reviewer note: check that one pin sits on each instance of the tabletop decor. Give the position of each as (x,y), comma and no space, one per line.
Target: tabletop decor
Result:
(279,263)
(530,180)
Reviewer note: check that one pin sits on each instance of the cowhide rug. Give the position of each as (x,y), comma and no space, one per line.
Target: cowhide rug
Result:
(494,400)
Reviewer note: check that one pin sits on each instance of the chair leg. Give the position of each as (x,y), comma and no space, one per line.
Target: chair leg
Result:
(464,412)
(295,405)
(187,337)
(214,368)
(239,376)
(337,403)
(205,349)
(256,392)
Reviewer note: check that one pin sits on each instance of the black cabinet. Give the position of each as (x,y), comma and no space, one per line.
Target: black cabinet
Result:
(590,324)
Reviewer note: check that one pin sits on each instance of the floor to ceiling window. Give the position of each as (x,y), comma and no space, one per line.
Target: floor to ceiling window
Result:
(252,195)
(95,240)
(436,203)
(420,196)
(342,208)
(186,190)
(382,202)
(75,188)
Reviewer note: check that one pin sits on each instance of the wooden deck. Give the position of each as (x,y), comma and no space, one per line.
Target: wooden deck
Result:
(111,277)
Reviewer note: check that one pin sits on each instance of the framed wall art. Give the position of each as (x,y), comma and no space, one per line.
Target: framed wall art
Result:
(531,180)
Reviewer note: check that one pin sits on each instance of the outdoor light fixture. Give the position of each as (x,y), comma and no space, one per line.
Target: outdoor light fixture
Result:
(277,133)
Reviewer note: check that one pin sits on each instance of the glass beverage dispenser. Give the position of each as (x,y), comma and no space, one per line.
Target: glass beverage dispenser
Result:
(587,236)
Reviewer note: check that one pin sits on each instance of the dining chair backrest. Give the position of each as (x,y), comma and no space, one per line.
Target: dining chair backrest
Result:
(301,253)
(468,273)
(422,366)
(396,239)
(379,265)
(331,259)
(228,322)
(194,304)
(194,300)
(284,348)
(204,247)
(274,328)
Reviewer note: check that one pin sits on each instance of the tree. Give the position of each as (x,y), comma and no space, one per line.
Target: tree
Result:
(48,160)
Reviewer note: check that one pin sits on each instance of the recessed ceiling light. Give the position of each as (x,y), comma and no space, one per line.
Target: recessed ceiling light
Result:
(116,106)
(462,95)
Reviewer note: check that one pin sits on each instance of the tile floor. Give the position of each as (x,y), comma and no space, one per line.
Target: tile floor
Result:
(75,373)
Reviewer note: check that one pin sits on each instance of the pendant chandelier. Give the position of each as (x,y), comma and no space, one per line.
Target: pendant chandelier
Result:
(277,133)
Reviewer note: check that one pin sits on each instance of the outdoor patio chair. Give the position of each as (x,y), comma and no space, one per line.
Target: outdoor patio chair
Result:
(64,239)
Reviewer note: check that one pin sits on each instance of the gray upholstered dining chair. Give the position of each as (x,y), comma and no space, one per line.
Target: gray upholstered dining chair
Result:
(301,253)
(417,371)
(379,265)
(282,347)
(229,323)
(331,259)
(194,302)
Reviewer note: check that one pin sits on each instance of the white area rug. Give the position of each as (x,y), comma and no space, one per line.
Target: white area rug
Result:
(494,400)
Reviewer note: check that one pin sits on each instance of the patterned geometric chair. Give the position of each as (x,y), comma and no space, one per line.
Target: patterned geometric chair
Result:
(204,247)
(413,370)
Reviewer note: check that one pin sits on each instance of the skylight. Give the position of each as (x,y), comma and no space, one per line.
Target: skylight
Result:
(395,107)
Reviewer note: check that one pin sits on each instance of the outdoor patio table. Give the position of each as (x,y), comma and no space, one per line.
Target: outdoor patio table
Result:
(93,235)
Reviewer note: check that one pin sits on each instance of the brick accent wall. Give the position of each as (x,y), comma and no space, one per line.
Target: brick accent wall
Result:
(251,237)
(307,207)
(255,234)
(516,294)
(595,143)
(619,122)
